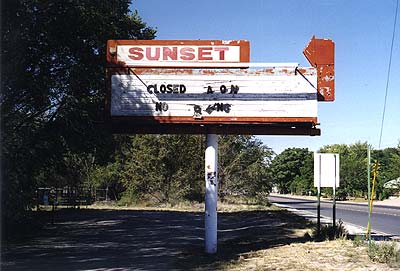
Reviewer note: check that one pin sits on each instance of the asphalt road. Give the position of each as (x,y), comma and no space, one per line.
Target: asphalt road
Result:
(384,219)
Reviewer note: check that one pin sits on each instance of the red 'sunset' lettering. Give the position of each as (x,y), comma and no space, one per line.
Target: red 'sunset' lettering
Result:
(171,53)
(136,53)
(187,53)
(205,53)
(221,51)
(156,55)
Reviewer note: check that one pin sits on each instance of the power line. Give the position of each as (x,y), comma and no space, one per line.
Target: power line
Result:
(388,73)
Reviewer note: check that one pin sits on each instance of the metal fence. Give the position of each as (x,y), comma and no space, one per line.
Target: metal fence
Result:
(66,196)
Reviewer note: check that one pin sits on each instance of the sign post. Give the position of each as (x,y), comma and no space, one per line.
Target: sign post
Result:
(334,200)
(368,234)
(326,174)
(319,196)
(211,195)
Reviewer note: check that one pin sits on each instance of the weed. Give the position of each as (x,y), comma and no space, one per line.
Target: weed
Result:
(328,232)
(384,252)
(359,241)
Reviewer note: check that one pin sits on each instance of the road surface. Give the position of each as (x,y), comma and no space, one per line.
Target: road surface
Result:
(385,219)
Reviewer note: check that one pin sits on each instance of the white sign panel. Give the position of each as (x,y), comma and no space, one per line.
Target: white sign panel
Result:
(277,94)
(178,53)
(326,170)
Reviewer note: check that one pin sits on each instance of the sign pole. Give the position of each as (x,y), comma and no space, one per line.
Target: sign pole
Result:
(334,194)
(211,195)
(334,207)
(368,233)
(319,200)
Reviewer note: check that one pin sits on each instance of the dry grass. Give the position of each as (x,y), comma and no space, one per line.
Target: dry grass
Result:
(224,207)
(329,255)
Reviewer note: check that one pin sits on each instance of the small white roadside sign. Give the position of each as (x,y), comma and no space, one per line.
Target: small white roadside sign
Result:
(326,170)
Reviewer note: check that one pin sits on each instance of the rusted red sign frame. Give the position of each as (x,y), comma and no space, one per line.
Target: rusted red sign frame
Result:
(319,52)
(321,55)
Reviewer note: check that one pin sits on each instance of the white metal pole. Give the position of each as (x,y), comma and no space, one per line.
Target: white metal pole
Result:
(211,177)
(319,199)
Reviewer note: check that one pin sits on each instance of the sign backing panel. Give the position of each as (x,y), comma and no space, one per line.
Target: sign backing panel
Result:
(215,96)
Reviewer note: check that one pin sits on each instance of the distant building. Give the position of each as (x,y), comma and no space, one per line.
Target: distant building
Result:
(393,185)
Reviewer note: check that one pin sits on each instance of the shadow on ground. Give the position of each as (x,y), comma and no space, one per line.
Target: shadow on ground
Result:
(147,240)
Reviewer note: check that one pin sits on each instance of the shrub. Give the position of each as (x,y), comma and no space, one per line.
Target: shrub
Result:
(329,233)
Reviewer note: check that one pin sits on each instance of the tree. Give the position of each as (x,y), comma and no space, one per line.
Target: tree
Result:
(394,164)
(243,162)
(170,168)
(53,87)
(286,167)
(162,168)
(353,168)
(304,182)
(389,169)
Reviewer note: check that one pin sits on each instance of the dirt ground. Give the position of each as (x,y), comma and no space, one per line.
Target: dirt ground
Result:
(250,237)
(330,255)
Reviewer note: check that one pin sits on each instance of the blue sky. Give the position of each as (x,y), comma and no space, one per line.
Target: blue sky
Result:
(278,31)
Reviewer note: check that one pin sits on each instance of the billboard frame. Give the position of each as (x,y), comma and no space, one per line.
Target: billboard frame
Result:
(319,52)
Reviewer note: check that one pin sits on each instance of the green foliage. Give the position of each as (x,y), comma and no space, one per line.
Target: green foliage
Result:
(52,82)
(359,241)
(353,169)
(328,232)
(389,169)
(162,168)
(170,168)
(243,162)
(292,170)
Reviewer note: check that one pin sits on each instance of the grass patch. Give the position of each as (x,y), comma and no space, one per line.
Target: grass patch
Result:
(359,241)
(385,252)
(229,205)
(328,232)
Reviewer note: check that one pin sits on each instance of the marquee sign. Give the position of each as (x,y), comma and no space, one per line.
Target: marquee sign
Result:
(184,53)
(167,87)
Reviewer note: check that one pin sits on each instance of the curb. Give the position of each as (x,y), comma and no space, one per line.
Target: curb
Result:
(353,230)
(394,204)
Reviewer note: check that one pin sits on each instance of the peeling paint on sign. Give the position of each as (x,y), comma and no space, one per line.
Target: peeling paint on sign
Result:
(215,94)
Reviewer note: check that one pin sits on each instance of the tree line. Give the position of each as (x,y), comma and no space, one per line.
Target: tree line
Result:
(170,168)
(292,170)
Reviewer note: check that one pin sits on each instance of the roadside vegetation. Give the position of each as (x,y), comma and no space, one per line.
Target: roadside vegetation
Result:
(334,255)
(292,171)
